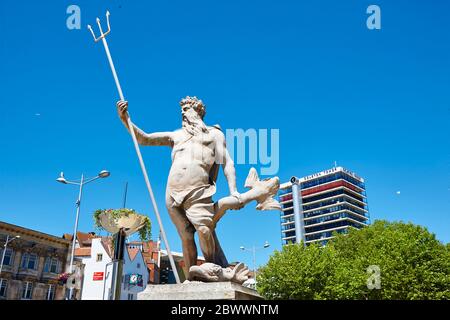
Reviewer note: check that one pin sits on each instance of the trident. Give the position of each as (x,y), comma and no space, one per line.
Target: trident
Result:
(133,135)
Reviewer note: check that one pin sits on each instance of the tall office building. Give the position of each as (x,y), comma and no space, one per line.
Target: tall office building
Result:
(315,206)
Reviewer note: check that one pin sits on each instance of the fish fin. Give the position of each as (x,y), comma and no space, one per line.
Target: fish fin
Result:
(251,178)
(269,204)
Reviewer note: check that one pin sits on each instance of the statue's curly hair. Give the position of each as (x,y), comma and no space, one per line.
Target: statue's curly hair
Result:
(195,103)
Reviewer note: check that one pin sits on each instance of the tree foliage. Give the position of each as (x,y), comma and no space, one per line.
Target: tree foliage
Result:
(413,264)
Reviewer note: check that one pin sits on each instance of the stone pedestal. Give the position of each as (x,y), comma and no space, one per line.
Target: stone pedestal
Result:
(198,291)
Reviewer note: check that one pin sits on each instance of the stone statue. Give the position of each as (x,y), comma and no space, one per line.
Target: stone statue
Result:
(197,152)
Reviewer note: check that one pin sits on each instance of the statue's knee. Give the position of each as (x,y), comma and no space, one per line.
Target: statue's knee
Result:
(204,231)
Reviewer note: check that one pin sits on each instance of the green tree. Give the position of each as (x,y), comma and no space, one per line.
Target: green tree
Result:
(297,272)
(412,264)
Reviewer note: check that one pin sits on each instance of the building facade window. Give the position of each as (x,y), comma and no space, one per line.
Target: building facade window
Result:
(3,288)
(130,296)
(8,260)
(99,257)
(52,265)
(50,294)
(27,290)
(138,265)
(29,261)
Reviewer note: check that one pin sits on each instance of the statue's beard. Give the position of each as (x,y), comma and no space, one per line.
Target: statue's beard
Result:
(193,124)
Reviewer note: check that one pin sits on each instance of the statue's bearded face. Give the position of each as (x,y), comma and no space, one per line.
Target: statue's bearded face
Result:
(188,112)
(192,119)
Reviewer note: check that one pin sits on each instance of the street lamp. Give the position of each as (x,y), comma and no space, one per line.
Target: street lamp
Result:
(81,183)
(253,250)
(8,240)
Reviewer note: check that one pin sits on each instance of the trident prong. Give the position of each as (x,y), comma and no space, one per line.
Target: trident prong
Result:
(102,35)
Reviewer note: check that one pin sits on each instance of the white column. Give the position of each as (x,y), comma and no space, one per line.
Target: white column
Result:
(298,211)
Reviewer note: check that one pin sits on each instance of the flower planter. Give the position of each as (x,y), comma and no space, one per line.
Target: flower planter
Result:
(112,220)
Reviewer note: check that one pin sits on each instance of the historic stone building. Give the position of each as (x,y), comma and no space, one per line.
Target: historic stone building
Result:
(32,264)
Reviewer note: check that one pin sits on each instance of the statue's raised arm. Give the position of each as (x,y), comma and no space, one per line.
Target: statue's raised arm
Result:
(145,139)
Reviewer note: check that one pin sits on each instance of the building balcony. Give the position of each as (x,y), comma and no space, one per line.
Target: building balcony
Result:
(343,219)
(287,216)
(324,232)
(288,228)
(336,198)
(336,204)
(288,221)
(7,268)
(288,238)
(285,198)
(330,192)
(335,216)
(315,213)
(331,185)
(319,239)
(50,276)
(363,217)
(27,272)
(284,192)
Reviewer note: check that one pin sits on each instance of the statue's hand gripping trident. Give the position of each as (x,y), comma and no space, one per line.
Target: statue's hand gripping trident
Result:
(102,37)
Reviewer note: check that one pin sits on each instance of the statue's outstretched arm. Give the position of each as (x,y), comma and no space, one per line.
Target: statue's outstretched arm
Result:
(153,139)
(143,138)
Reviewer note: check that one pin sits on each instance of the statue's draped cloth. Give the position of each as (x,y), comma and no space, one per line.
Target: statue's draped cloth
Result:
(197,203)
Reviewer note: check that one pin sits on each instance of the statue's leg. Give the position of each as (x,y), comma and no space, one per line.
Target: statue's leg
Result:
(207,242)
(200,213)
(186,231)
(219,255)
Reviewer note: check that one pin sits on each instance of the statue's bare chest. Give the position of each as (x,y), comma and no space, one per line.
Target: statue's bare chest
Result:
(204,143)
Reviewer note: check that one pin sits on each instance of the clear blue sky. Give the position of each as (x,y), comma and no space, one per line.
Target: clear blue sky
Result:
(377,102)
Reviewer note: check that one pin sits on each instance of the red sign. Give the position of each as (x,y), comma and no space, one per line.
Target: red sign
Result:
(98,276)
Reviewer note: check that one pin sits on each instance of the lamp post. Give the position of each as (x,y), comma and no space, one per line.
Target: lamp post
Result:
(253,251)
(81,183)
(8,240)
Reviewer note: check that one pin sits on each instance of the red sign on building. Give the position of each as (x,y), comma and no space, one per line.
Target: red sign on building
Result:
(98,276)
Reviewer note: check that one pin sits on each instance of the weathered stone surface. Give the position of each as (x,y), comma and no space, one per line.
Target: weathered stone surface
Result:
(198,291)
(210,272)
(197,152)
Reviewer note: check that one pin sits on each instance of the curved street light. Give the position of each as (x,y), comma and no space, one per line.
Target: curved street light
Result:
(102,174)
(253,250)
(8,240)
